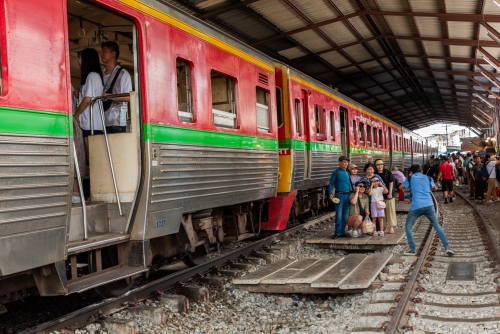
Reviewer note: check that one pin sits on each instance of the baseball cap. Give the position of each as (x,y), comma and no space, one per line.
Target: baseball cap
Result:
(374,179)
(343,157)
(353,166)
(379,162)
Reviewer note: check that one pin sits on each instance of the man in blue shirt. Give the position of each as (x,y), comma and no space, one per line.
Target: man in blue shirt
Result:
(420,186)
(341,181)
(470,182)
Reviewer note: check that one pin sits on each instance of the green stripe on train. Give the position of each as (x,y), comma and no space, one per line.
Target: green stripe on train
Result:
(34,122)
(363,150)
(170,134)
(296,144)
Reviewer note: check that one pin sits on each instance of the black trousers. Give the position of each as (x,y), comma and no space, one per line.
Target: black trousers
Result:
(479,189)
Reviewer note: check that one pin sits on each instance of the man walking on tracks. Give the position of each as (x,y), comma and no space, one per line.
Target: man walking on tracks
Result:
(446,175)
(420,186)
(341,181)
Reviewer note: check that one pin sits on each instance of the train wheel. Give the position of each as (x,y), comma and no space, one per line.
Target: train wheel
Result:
(196,258)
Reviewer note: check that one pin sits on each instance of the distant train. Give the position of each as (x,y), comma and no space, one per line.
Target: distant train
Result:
(222,140)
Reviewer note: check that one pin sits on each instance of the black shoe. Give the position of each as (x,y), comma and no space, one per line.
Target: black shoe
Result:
(451,199)
(335,237)
(446,201)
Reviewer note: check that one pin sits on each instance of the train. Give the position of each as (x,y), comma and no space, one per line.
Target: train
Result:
(222,142)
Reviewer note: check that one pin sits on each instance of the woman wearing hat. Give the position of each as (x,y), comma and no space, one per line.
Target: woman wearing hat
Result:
(390,219)
(358,210)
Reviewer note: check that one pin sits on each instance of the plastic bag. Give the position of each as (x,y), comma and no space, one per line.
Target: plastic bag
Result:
(367,226)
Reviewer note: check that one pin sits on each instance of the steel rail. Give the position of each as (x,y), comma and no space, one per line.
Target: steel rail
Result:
(81,316)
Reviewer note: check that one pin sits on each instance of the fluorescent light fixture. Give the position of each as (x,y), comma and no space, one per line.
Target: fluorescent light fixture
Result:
(490,80)
(485,114)
(496,2)
(493,37)
(489,61)
(485,100)
(479,119)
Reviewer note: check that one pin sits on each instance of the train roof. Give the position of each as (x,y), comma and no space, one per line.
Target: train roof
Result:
(182,18)
(413,134)
(332,91)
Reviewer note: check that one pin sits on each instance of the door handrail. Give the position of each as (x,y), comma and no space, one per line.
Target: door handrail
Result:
(80,189)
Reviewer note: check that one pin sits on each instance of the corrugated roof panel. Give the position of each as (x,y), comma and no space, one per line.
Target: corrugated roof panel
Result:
(311,40)
(400,92)
(335,58)
(437,63)
(383,77)
(443,84)
(434,48)
(393,6)
(358,52)
(392,85)
(292,53)
(422,74)
(210,5)
(464,87)
(410,47)
(416,62)
(340,33)
(372,66)
(441,75)
(279,13)
(346,6)
(350,70)
(491,8)
(427,6)
(384,97)
(402,25)
(321,10)
(246,24)
(429,26)
(495,52)
(375,46)
(461,51)
(462,30)
(375,90)
(460,78)
(362,27)
(463,6)
(461,67)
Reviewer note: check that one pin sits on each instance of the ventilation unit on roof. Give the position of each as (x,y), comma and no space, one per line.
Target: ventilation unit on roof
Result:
(263,79)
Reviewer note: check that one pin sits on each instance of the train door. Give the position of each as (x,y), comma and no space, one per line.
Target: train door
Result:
(110,169)
(307,134)
(389,146)
(343,130)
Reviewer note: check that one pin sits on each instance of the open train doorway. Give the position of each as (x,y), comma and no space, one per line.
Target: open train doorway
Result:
(103,58)
(343,130)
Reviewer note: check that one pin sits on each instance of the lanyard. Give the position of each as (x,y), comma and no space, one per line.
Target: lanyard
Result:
(109,77)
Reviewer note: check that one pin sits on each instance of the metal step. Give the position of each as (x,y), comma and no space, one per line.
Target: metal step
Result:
(97,241)
(90,281)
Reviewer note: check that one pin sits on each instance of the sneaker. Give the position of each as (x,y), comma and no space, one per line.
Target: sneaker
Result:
(489,201)
(355,234)
(410,253)
(449,252)
(381,233)
(349,233)
(375,234)
(76,199)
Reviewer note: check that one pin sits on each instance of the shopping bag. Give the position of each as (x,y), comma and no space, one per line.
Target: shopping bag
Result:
(367,226)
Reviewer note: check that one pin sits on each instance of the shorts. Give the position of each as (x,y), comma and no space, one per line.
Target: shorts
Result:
(460,171)
(86,133)
(375,212)
(447,185)
(116,129)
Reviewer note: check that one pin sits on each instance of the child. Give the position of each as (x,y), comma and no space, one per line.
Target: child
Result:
(377,191)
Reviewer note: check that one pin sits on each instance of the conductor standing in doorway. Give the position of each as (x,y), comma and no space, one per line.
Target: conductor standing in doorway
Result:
(341,181)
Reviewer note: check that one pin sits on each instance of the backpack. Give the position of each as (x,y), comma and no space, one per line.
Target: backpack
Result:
(497,171)
(484,172)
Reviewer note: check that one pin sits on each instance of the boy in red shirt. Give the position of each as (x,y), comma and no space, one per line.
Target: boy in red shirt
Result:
(446,175)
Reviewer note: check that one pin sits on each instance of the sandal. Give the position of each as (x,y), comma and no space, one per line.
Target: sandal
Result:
(381,233)
(391,231)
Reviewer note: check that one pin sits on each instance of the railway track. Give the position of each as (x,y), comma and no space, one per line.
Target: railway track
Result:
(444,294)
(82,316)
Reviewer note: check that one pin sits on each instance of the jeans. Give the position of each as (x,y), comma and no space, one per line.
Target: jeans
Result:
(430,213)
(341,213)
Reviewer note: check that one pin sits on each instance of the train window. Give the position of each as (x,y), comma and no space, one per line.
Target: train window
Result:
(298,113)
(354,138)
(262,110)
(368,136)
(380,139)
(320,119)
(332,125)
(375,137)
(279,106)
(361,134)
(223,100)
(184,91)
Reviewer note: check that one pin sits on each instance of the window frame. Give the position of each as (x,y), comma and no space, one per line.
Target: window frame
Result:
(298,107)
(189,93)
(369,137)
(361,134)
(223,113)
(375,137)
(279,107)
(332,125)
(320,122)
(355,133)
(381,139)
(268,107)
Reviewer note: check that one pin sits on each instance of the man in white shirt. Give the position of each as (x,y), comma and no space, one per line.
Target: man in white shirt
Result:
(116,116)
(491,192)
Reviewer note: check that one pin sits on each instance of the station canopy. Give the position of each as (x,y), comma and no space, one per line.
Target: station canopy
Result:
(417,62)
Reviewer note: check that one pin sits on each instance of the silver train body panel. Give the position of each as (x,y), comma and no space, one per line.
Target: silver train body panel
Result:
(322,165)
(397,160)
(188,178)
(34,200)
(362,159)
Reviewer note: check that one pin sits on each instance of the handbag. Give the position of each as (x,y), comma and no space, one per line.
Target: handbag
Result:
(380,204)
(367,226)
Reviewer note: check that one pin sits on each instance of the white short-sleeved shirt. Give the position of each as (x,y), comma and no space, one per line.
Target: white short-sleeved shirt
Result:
(490,167)
(117,113)
(92,88)
(377,194)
